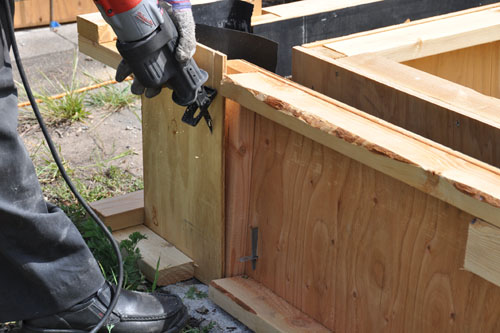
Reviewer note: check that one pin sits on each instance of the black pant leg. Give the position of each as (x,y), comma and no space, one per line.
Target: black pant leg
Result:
(45,266)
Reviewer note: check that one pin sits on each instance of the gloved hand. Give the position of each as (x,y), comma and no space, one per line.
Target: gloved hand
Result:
(182,16)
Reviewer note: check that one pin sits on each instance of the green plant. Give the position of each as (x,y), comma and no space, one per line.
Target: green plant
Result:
(68,108)
(98,182)
(112,97)
(204,329)
(103,252)
(194,292)
(157,275)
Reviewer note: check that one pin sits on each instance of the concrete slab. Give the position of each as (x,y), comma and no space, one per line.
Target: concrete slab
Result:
(49,56)
(41,41)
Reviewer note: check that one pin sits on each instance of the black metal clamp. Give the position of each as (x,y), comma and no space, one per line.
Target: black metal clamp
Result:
(253,258)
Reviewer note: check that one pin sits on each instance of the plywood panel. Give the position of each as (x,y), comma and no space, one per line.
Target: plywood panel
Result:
(184,174)
(358,250)
(472,67)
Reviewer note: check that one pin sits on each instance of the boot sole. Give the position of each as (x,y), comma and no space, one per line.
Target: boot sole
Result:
(183,318)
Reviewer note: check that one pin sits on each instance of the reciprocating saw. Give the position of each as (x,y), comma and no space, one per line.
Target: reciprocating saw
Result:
(147,39)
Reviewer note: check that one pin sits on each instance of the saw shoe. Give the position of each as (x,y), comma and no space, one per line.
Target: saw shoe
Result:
(134,313)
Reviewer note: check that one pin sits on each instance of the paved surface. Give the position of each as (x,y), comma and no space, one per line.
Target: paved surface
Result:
(48,57)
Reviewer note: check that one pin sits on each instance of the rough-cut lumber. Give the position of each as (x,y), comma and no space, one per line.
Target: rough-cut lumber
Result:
(349,243)
(32,13)
(259,308)
(121,212)
(174,265)
(435,169)
(482,256)
(424,104)
(429,37)
(184,174)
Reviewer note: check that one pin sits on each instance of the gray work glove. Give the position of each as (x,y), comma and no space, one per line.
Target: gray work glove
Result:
(182,16)
(180,12)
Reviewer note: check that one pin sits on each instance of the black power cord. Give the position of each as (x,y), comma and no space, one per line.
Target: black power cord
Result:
(57,159)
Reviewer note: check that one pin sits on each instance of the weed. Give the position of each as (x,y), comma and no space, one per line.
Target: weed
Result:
(68,108)
(112,97)
(157,275)
(95,184)
(103,252)
(204,329)
(194,292)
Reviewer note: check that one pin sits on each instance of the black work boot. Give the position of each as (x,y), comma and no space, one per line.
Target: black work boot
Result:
(134,313)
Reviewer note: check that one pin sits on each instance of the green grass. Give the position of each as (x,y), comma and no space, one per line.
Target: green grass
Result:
(112,97)
(71,107)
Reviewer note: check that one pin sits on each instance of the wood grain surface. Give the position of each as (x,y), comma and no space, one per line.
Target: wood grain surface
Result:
(437,109)
(32,13)
(476,67)
(184,174)
(259,308)
(357,250)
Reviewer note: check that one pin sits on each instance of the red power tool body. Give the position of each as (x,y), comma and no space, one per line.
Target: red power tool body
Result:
(147,39)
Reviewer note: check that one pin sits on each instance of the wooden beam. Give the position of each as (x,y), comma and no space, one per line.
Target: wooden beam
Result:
(482,256)
(105,52)
(94,28)
(174,265)
(121,212)
(407,42)
(259,308)
(466,183)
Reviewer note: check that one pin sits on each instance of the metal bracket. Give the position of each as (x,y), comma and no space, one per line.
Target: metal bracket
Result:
(253,258)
